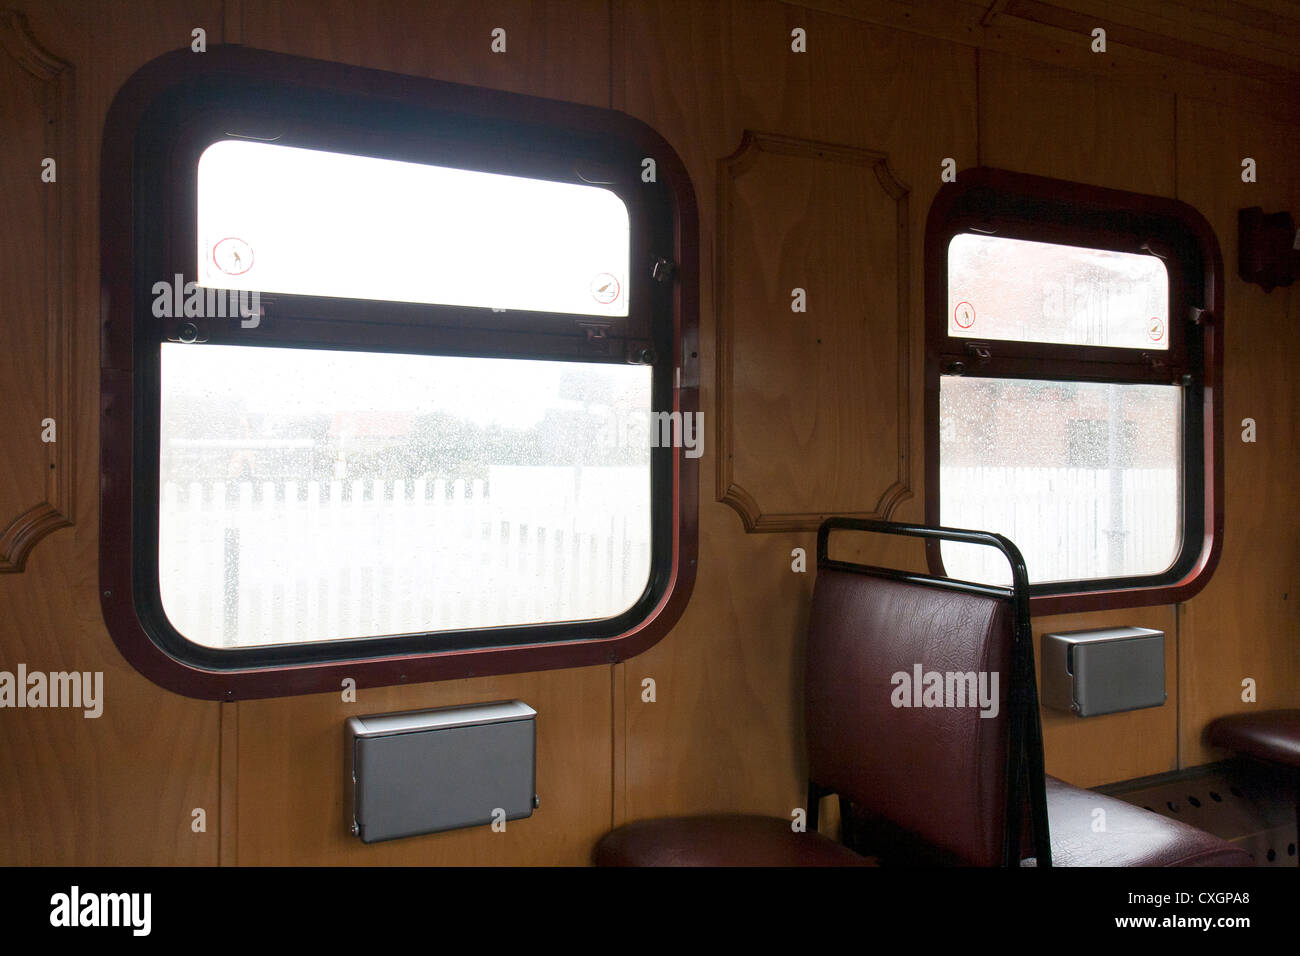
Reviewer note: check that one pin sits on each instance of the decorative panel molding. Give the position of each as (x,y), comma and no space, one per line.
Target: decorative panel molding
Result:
(36,273)
(813,411)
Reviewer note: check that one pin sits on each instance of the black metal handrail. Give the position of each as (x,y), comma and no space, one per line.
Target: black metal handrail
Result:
(1025,770)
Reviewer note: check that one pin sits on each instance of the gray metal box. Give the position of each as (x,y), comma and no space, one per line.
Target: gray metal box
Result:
(1104,670)
(430,770)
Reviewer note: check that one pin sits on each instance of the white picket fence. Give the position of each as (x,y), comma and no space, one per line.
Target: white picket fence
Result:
(282,562)
(1061,519)
(290,561)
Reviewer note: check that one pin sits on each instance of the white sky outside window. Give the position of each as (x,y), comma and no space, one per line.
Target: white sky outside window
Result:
(285,219)
(1012,289)
(310,495)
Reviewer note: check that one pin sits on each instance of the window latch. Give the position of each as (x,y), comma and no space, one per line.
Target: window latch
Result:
(663,270)
(597,332)
(981,351)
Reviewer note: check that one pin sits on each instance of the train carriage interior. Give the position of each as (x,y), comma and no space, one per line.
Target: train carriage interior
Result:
(673,434)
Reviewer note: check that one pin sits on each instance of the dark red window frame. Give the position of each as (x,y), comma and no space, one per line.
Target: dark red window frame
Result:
(160,122)
(1020,206)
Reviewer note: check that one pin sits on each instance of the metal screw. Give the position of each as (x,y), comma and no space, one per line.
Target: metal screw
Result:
(662,270)
(648,356)
(189,333)
(537,802)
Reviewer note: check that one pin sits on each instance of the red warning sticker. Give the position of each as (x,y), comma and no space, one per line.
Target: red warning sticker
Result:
(232,256)
(964,315)
(605,288)
(1155,329)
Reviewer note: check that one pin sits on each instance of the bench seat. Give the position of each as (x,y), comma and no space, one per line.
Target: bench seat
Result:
(1133,837)
(1269,735)
(720,840)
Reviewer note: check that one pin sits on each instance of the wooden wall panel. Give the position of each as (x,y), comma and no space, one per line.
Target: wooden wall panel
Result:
(1051,122)
(721,731)
(726,729)
(36,270)
(1225,40)
(1089,751)
(1193,68)
(554,48)
(1246,623)
(811,386)
(290,776)
(118,789)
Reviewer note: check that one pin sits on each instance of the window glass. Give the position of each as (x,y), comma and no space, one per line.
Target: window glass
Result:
(1083,477)
(308,222)
(309,495)
(1014,289)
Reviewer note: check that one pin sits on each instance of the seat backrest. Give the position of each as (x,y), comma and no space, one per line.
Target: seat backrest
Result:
(935,763)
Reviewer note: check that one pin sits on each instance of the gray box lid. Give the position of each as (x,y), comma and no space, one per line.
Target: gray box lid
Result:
(443,718)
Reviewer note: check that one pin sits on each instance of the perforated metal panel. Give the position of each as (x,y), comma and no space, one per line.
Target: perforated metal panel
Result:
(1247,804)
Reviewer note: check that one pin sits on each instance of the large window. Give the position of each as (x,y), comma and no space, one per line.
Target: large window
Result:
(411,389)
(1073,344)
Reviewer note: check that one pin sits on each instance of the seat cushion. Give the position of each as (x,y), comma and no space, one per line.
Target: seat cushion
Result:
(1132,836)
(1272,735)
(720,840)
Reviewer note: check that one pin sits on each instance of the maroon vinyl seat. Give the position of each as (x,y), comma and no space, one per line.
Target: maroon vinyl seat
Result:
(953,768)
(1269,735)
(1133,836)
(1272,736)
(721,840)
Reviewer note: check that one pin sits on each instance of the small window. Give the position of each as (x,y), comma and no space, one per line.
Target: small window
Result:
(411,393)
(1060,295)
(1073,358)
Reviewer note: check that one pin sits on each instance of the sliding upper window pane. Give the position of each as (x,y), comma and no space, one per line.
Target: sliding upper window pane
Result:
(1014,289)
(309,222)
